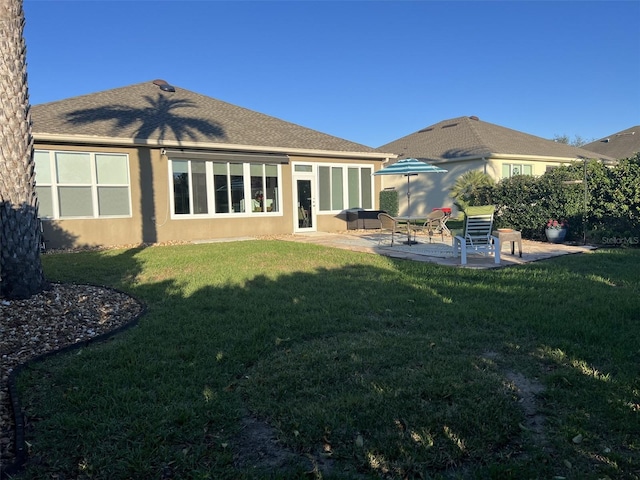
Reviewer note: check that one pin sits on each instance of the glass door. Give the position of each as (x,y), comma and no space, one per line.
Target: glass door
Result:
(304,214)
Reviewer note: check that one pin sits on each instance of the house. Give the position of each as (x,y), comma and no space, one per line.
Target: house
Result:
(624,144)
(468,143)
(152,162)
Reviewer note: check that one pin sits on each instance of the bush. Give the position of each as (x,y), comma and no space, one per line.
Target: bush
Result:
(517,200)
(472,188)
(612,210)
(389,202)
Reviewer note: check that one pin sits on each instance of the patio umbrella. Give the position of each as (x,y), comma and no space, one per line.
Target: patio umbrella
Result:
(409,167)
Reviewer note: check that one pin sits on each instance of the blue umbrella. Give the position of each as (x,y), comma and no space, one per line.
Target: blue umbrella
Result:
(409,167)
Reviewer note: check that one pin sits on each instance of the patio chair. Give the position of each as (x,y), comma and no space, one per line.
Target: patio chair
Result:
(477,237)
(434,223)
(387,224)
(303,218)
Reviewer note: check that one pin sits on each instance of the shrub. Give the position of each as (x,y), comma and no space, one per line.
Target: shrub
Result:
(389,202)
(612,201)
(472,188)
(517,201)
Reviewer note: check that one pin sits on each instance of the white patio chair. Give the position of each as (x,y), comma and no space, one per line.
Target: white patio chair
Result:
(477,236)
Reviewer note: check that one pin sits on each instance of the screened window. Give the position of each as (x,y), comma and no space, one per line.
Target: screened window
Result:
(512,169)
(215,187)
(343,187)
(264,188)
(190,187)
(82,184)
(181,187)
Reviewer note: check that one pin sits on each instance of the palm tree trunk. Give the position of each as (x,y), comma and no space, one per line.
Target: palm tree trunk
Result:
(21,274)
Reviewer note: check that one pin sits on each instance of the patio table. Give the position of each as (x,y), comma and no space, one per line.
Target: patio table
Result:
(512,236)
(406,220)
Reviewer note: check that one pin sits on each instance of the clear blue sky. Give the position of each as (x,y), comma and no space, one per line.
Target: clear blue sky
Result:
(366,71)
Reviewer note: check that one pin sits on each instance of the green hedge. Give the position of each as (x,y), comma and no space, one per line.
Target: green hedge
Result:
(389,202)
(612,214)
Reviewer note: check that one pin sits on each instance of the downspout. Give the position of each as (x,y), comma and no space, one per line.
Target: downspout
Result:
(376,202)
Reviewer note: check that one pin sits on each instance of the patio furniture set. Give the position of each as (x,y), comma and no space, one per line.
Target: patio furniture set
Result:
(433,223)
(478,235)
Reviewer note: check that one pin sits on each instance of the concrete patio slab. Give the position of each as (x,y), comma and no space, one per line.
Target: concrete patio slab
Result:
(435,251)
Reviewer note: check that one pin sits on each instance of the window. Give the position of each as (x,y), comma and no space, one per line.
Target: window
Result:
(184,196)
(345,186)
(264,188)
(82,184)
(206,188)
(181,186)
(511,169)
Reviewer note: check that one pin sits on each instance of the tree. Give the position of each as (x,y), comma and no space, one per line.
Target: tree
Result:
(577,141)
(472,188)
(21,274)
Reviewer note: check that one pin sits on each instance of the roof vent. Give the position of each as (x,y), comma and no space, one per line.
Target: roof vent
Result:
(449,126)
(473,117)
(605,140)
(425,130)
(164,86)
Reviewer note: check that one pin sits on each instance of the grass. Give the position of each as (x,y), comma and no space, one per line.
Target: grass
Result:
(364,366)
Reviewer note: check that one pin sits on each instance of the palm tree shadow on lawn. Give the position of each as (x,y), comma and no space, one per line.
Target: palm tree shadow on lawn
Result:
(268,321)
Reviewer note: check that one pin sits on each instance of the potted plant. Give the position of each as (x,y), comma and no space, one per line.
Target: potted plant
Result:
(556,230)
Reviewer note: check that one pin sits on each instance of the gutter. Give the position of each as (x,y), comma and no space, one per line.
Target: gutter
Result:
(137,142)
(508,156)
(533,158)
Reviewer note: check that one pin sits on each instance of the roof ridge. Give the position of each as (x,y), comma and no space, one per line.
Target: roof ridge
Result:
(474,138)
(482,142)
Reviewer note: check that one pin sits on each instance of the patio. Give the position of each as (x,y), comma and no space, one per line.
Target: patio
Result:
(436,251)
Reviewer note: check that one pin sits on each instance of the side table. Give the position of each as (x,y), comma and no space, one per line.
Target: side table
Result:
(512,236)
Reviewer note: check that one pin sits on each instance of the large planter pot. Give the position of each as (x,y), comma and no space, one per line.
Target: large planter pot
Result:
(555,235)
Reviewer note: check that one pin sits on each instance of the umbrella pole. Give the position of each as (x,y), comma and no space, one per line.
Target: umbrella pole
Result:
(409,242)
(409,196)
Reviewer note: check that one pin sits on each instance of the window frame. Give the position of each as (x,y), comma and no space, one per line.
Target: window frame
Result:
(245,200)
(511,166)
(345,201)
(56,186)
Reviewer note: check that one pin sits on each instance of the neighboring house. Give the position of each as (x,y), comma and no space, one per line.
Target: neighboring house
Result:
(467,143)
(624,144)
(153,163)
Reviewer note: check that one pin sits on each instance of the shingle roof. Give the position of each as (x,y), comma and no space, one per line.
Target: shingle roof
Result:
(143,111)
(624,144)
(465,137)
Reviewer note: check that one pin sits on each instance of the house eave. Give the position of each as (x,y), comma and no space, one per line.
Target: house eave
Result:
(137,142)
(533,158)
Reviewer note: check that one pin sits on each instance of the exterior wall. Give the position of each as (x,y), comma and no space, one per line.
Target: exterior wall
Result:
(336,221)
(151,220)
(539,167)
(430,190)
(187,229)
(92,232)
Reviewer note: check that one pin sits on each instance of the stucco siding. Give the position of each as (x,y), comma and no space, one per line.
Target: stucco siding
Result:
(152,220)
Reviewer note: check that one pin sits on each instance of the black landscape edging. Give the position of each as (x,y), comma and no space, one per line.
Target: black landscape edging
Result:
(19,441)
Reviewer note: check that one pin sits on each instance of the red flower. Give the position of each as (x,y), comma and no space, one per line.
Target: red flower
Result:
(557,225)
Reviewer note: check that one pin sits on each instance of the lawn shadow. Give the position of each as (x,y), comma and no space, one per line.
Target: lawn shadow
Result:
(354,364)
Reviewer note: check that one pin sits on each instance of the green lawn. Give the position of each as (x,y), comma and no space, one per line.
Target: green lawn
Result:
(267,359)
